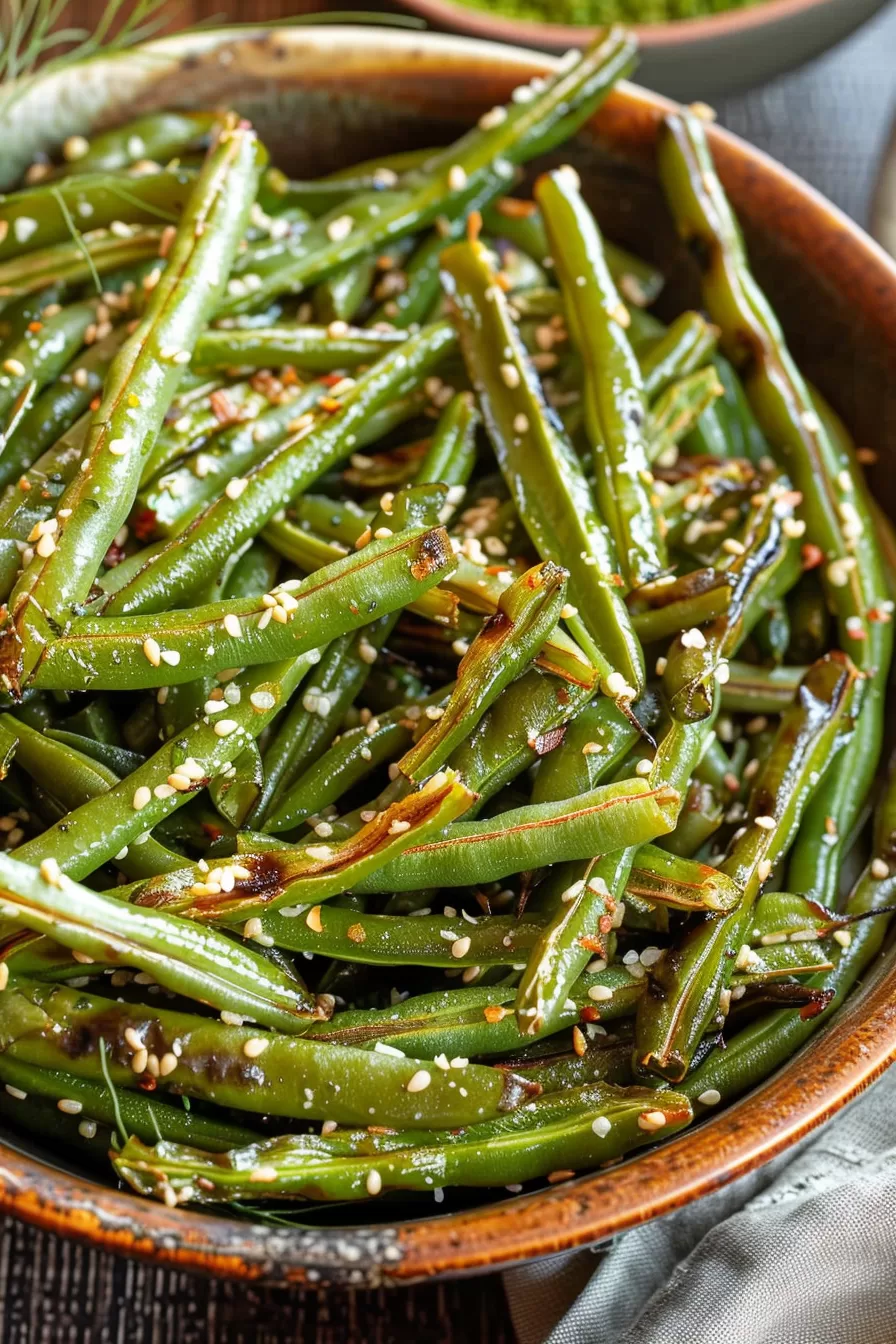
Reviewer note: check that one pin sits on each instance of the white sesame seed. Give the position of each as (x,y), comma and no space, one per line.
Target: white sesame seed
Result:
(711,1097)
(374,1182)
(843,937)
(232,625)
(69,1107)
(457,177)
(420,1080)
(879,869)
(224,727)
(511,375)
(170,657)
(235,487)
(765,823)
(600,993)
(693,639)
(255,1046)
(651,1120)
(601,1126)
(340,228)
(460,947)
(152,652)
(118,447)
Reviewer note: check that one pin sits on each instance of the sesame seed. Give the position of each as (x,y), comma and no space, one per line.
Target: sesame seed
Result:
(420,1081)
(69,1107)
(167,1064)
(23,227)
(170,657)
(510,374)
(51,872)
(118,447)
(793,527)
(601,1126)
(235,487)
(232,625)
(600,993)
(252,928)
(651,1120)
(520,423)
(615,684)
(879,869)
(15,367)
(644,767)
(75,147)
(460,947)
(693,639)
(457,177)
(152,652)
(374,1182)
(340,228)
(224,727)
(711,1097)
(255,1046)
(843,937)
(765,822)
(763,869)
(140,1060)
(494,117)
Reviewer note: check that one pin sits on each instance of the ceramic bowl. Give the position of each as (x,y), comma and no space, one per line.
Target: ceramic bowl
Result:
(322,98)
(691,58)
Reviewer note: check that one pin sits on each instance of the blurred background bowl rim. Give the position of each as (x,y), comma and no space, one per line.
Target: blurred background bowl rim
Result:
(672,32)
(854,1049)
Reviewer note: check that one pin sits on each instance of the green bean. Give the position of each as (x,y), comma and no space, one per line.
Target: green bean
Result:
(144,1116)
(521,223)
(540,466)
(301,1078)
(606,818)
(760,690)
(311,873)
(676,411)
(59,406)
(41,216)
(141,381)
(317,349)
(198,963)
(142,651)
(614,398)
(594,1124)
(178,570)
(484,154)
(99,829)
(528,610)
(159,136)
(834,503)
(70,264)
(682,350)
(688,981)
(761,565)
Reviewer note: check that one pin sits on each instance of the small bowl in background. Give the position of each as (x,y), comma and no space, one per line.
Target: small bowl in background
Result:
(687,58)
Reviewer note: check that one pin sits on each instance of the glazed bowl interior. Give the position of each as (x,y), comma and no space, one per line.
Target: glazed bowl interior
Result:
(323,98)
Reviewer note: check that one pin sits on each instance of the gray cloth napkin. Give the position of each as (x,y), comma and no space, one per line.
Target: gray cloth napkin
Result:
(803,1251)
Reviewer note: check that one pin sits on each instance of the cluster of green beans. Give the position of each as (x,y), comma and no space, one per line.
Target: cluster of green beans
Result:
(437,695)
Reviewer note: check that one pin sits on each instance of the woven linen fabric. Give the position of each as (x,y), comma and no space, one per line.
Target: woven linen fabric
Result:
(803,1251)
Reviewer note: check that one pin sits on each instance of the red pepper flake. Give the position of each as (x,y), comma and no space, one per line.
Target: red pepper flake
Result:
(147,1083)
(578,1042)
(511,207)
(212,831)
(589,1013)
(144,525)
(867,456)
(474,226)
(331,404)
(878,617)
(812,555)
(503,281)
(95,404)
(222,407)
(35,326)
(591,944)
(113,556)
(616,580)
(605,923)
(556,1177)
(494,1012)
(24,483)
(356,933)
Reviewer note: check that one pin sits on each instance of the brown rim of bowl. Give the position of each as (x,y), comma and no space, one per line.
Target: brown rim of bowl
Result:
(835,1065)
(504,28)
